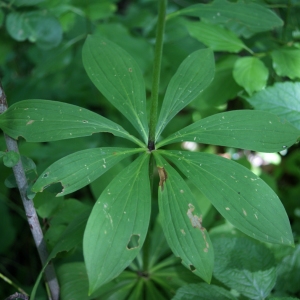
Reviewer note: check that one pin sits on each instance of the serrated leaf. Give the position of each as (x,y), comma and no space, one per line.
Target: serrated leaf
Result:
(286,62)
(11,158)
(45,121)
(282,99)
(193,75)
(245,129)
(250,17)
(118,77)
(250,266)
(215,37)
(202,291)
(118,224)
(250,73)
(239,195)
(288,272)
(81,168)
(181,222)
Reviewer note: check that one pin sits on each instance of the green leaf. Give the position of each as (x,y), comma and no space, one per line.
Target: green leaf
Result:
(215,37)
(286,62)
(249,266)
(102,10)
(213,95)
(81,168)
(245,129)
(37,26)
(1,17)
(119,288)
(118,77)
(283,298)
(181,222)
(71,237)
(45,121)
(158,247)
(46,204)
(239,195)
(250,73)
(27,2)
(72,234)
(288,272)
(193,75)
(11,158)
(202,291)
(118,224)
(250,17)
(73,281)
(282,99)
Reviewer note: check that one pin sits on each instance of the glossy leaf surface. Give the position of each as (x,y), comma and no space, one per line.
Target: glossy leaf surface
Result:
(286,62)
(249,266)
(215,37)
(251,74)
(81,168)
(250,17)
(282,99)
(245,129)
(46,121)
(181,222)
(193,75)
(239,195)
(118,224)
(119,78)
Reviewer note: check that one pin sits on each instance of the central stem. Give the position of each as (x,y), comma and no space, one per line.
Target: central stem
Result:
(162,5)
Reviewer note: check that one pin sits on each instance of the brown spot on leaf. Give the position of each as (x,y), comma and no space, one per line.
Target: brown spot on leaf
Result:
(29,122)
(197,223)
(162,176)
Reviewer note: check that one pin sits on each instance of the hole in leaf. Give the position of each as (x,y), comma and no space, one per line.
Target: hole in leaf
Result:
(192,268)
(133,242)
(54,188)
(46,175)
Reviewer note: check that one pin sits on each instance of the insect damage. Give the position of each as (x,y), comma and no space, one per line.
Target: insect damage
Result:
(162,176)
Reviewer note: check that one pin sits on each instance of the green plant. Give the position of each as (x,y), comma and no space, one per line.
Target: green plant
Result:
(117,227)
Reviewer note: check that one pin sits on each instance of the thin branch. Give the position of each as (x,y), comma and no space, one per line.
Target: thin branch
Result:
(30,211)
(17,296)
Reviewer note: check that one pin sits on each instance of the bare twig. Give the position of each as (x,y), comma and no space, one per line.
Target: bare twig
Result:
(17,296)
(32,217)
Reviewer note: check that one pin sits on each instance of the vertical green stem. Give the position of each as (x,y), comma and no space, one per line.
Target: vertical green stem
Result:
(162,4)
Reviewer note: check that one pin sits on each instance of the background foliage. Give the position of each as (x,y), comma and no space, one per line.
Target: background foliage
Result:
(257,65)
